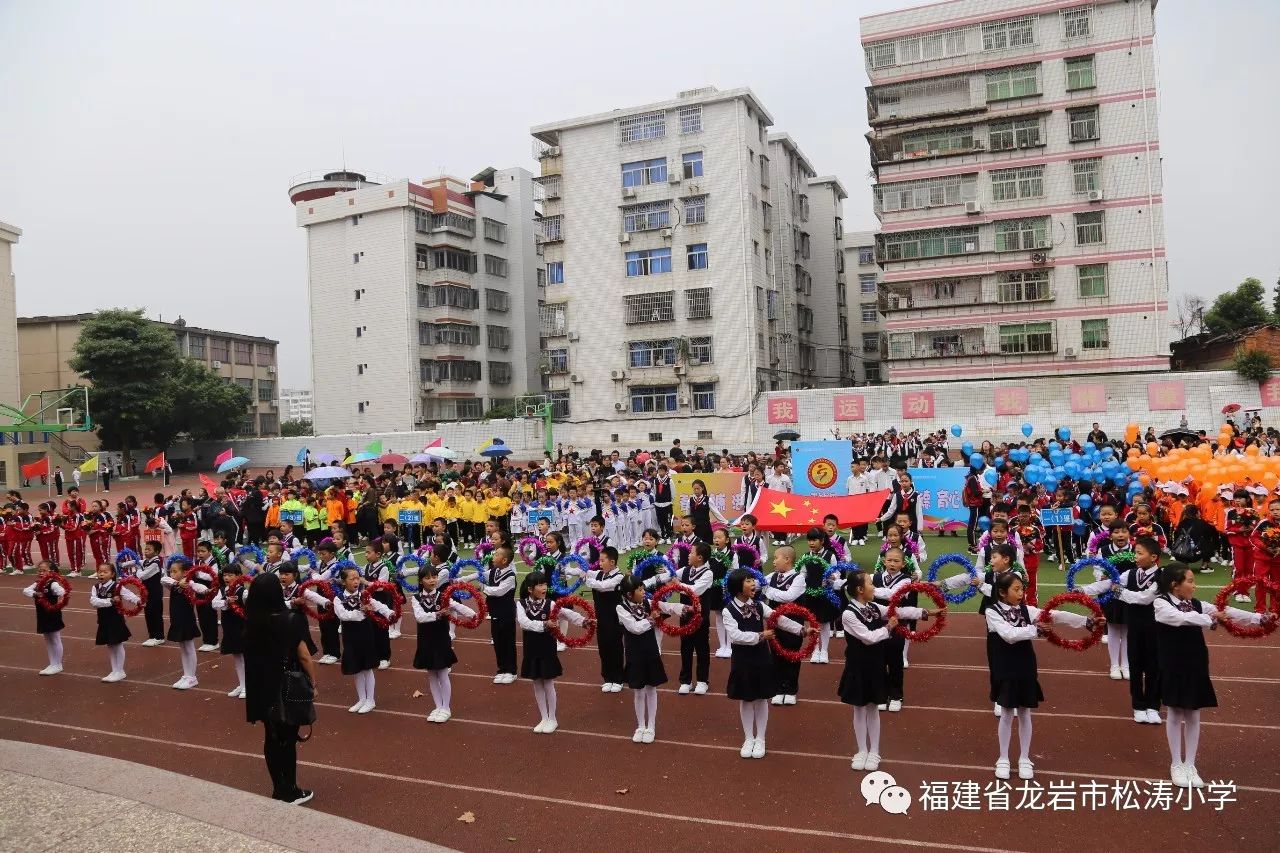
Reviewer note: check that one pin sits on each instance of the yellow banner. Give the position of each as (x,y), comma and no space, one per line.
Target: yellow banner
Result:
(724,491)
(89,465)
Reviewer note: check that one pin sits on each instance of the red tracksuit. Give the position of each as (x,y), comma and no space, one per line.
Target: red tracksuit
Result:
(1266,564)
(4,540)
(1239,527)
(1031,536)
(100,537)
(189,532)
(73,528)
(120,534)
(47,538)
(23,531)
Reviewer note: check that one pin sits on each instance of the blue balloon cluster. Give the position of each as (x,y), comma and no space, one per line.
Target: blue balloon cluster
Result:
(1092,464)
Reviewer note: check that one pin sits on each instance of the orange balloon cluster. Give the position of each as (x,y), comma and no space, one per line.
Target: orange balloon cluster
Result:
(1203,467)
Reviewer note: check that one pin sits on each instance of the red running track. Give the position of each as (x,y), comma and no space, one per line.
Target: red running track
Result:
(393,769)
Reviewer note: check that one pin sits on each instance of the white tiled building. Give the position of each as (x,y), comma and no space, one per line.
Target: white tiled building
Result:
(422,294)
(9,385)
(1016,154)
(296,404)
(866,323)
(673,238)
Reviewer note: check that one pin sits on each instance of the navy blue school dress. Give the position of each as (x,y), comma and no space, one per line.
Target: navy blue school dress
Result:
(752,674)
(112,629)
(1183,658)
(182,617)
(435,649)
(47,621)
(233,624)
(643,666)
(864,680)
(1015,679)
(540,658)
(359,642)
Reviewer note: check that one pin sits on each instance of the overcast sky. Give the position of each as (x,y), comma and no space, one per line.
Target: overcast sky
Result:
(146,148)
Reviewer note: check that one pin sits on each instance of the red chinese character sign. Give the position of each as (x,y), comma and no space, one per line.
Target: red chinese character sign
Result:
(1269,391)
(1166,396)
(784,410)
(1088,398)
(916,405)
(850,407)
(1010,401)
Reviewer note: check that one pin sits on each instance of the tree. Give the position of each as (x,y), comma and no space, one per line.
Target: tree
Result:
(1237,309)
(1275,301)
(1253,364)
(296,427)
(1190,315)
(144,392)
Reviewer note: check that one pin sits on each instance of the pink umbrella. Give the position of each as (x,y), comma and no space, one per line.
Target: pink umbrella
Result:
(392,459)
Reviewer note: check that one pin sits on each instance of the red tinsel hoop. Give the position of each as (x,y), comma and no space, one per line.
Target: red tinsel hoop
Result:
(190,577)
(139,589)
(799,614)
(42,592)
(476,602)
(1243,585)
(396,601)
(659,618)
(325,589)
(230,590)
(938,619)
(1099,621)
(553,619)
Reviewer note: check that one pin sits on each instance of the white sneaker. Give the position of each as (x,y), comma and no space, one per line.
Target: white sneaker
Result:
(393,634)
(1178,775)
(873,761)
(1140,716)
(638,736)
(607,687)
(146,644)
(757,748)
(236,692)
(839,635)
(445,715)
(906,664)
(51,669)
(550,727)
(184,683)
(684,689)
(997,707)
(1106,641)
(561,647)
(113,676)
(724,652)
(1241,598)
(368,706)
(1026,770)
(1193,776)
(509,678)
(14,572)
(649,735)
(1115,673)
(207,647)
(1124,673)
(434,716)
(789,699)
(747,746)
(617,688)
(776,700)
(816,657)
(384,664)
(895,705)
(859,761)
(327,660)
(700,688)
(883,707)
(355,709)
(1153,717)
(540,727)
(1002,768)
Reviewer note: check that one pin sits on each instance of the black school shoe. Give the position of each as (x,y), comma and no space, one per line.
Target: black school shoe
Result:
(301,797)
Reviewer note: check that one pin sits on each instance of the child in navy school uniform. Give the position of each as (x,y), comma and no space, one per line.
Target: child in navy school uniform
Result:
(604,583)
(49,622)
(644,669)
(112,630)
(183,629)
(360,653)
(435,647)
(541,662)
(499,588)
(233,625)
(785,585)
(150,573)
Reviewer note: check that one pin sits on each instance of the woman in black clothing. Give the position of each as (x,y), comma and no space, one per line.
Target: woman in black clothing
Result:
(273,641)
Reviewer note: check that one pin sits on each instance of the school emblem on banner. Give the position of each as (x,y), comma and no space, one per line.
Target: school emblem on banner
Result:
(820,466)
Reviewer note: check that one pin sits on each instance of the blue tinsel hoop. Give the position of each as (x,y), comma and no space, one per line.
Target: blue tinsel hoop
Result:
(963,562)
(558,585)
(1108,569)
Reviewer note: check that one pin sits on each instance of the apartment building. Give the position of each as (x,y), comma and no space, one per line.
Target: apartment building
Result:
(863,297)
(1016,156)
(9,383)
(423,297)
(296,404)
(679,242)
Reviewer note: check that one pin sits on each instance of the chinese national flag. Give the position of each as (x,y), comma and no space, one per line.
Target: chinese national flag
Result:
(155,463)
(39,468)
(439,442)
(222,457)
(783,512)
(208,484)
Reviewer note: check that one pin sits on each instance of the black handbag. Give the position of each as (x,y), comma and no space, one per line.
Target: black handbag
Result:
(295,706)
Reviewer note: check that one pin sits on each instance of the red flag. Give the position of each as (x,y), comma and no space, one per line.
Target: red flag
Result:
(222,457)
(209,485)
(439,442)
(783,512)
(155,463)
(36,469)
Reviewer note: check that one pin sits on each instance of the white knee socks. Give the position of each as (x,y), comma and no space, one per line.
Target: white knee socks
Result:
(368,684)
(1005,731)
(761,709)
(540,696)
(1183,726)
(1118,645)
(651,706)
(638,701)
(115,656)
(860,726)
(238,660)
(1173,731)
(361,696)
(551,699)
(824,637)
(1024,733)
(722,633)
(53,647)
(441,689)
(747,711)
(188,648)
(873,728)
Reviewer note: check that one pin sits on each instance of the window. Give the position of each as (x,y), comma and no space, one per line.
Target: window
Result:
(552,320)
(360,408)
(1075,23)
(448,333)
(495,230)
(653,398)
(866,255)
(550,229)
(648,262)
(559,404)
(909,245)
(454,296)
(695,210)
(244,352)
(692,164)
(448,371)
(870,342)
(246,384)
(1019,82)
(881,55)
(867,282)
(1079,73)
(499,337)
(266,390)
(360,369)
(424,296)
(1026,338)
(358,292)
(690,120)
(764,171)
(1013,184)
(1023,286)
(1015,234)
(195,346)
(650,307)
(1000,35)
(454,259)
(542,277)
(870,312)
(646,217)
(700,350)
(697,253)
(642,172)
(942,141)
(772,306)
(355,257)
(1089,228)
(266,354)
(1092,279)
(269,424)
(1084,175)
(651,353)
(1082,124)
(496,300)
(469,409)
(704,396)
(697,302)
(766,216)
(871,369)
(557,360)
(499,373)
(494,265)
(638,128)
(804,318)
(1020,133)
(1093,334)
(555,272)
(426,222)
(931,192)
(250,424)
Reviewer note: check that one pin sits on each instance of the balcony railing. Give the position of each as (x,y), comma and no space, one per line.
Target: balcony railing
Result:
(931,351)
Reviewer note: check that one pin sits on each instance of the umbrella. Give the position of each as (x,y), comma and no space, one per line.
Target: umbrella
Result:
(233,463)
(363,456)
(495,448)
(1179,433)
(324,458)
(329,472)
(392,459)
(1230,408)
(440,453)
(421,458)
(787,435)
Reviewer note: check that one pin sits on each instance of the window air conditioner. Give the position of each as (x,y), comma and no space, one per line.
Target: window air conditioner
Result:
(553,151)
(673,178)
(422,265)
(1070,353)
(1039,258)
(217,365)
(628,192)
(575,379)
(1095,195)
(573,336)
(666,232)
(624,238)
(619,407)
(973,207)
(683,400)
(617,375)
(271,370)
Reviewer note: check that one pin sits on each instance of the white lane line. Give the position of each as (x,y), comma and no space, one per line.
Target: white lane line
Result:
(557,801)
